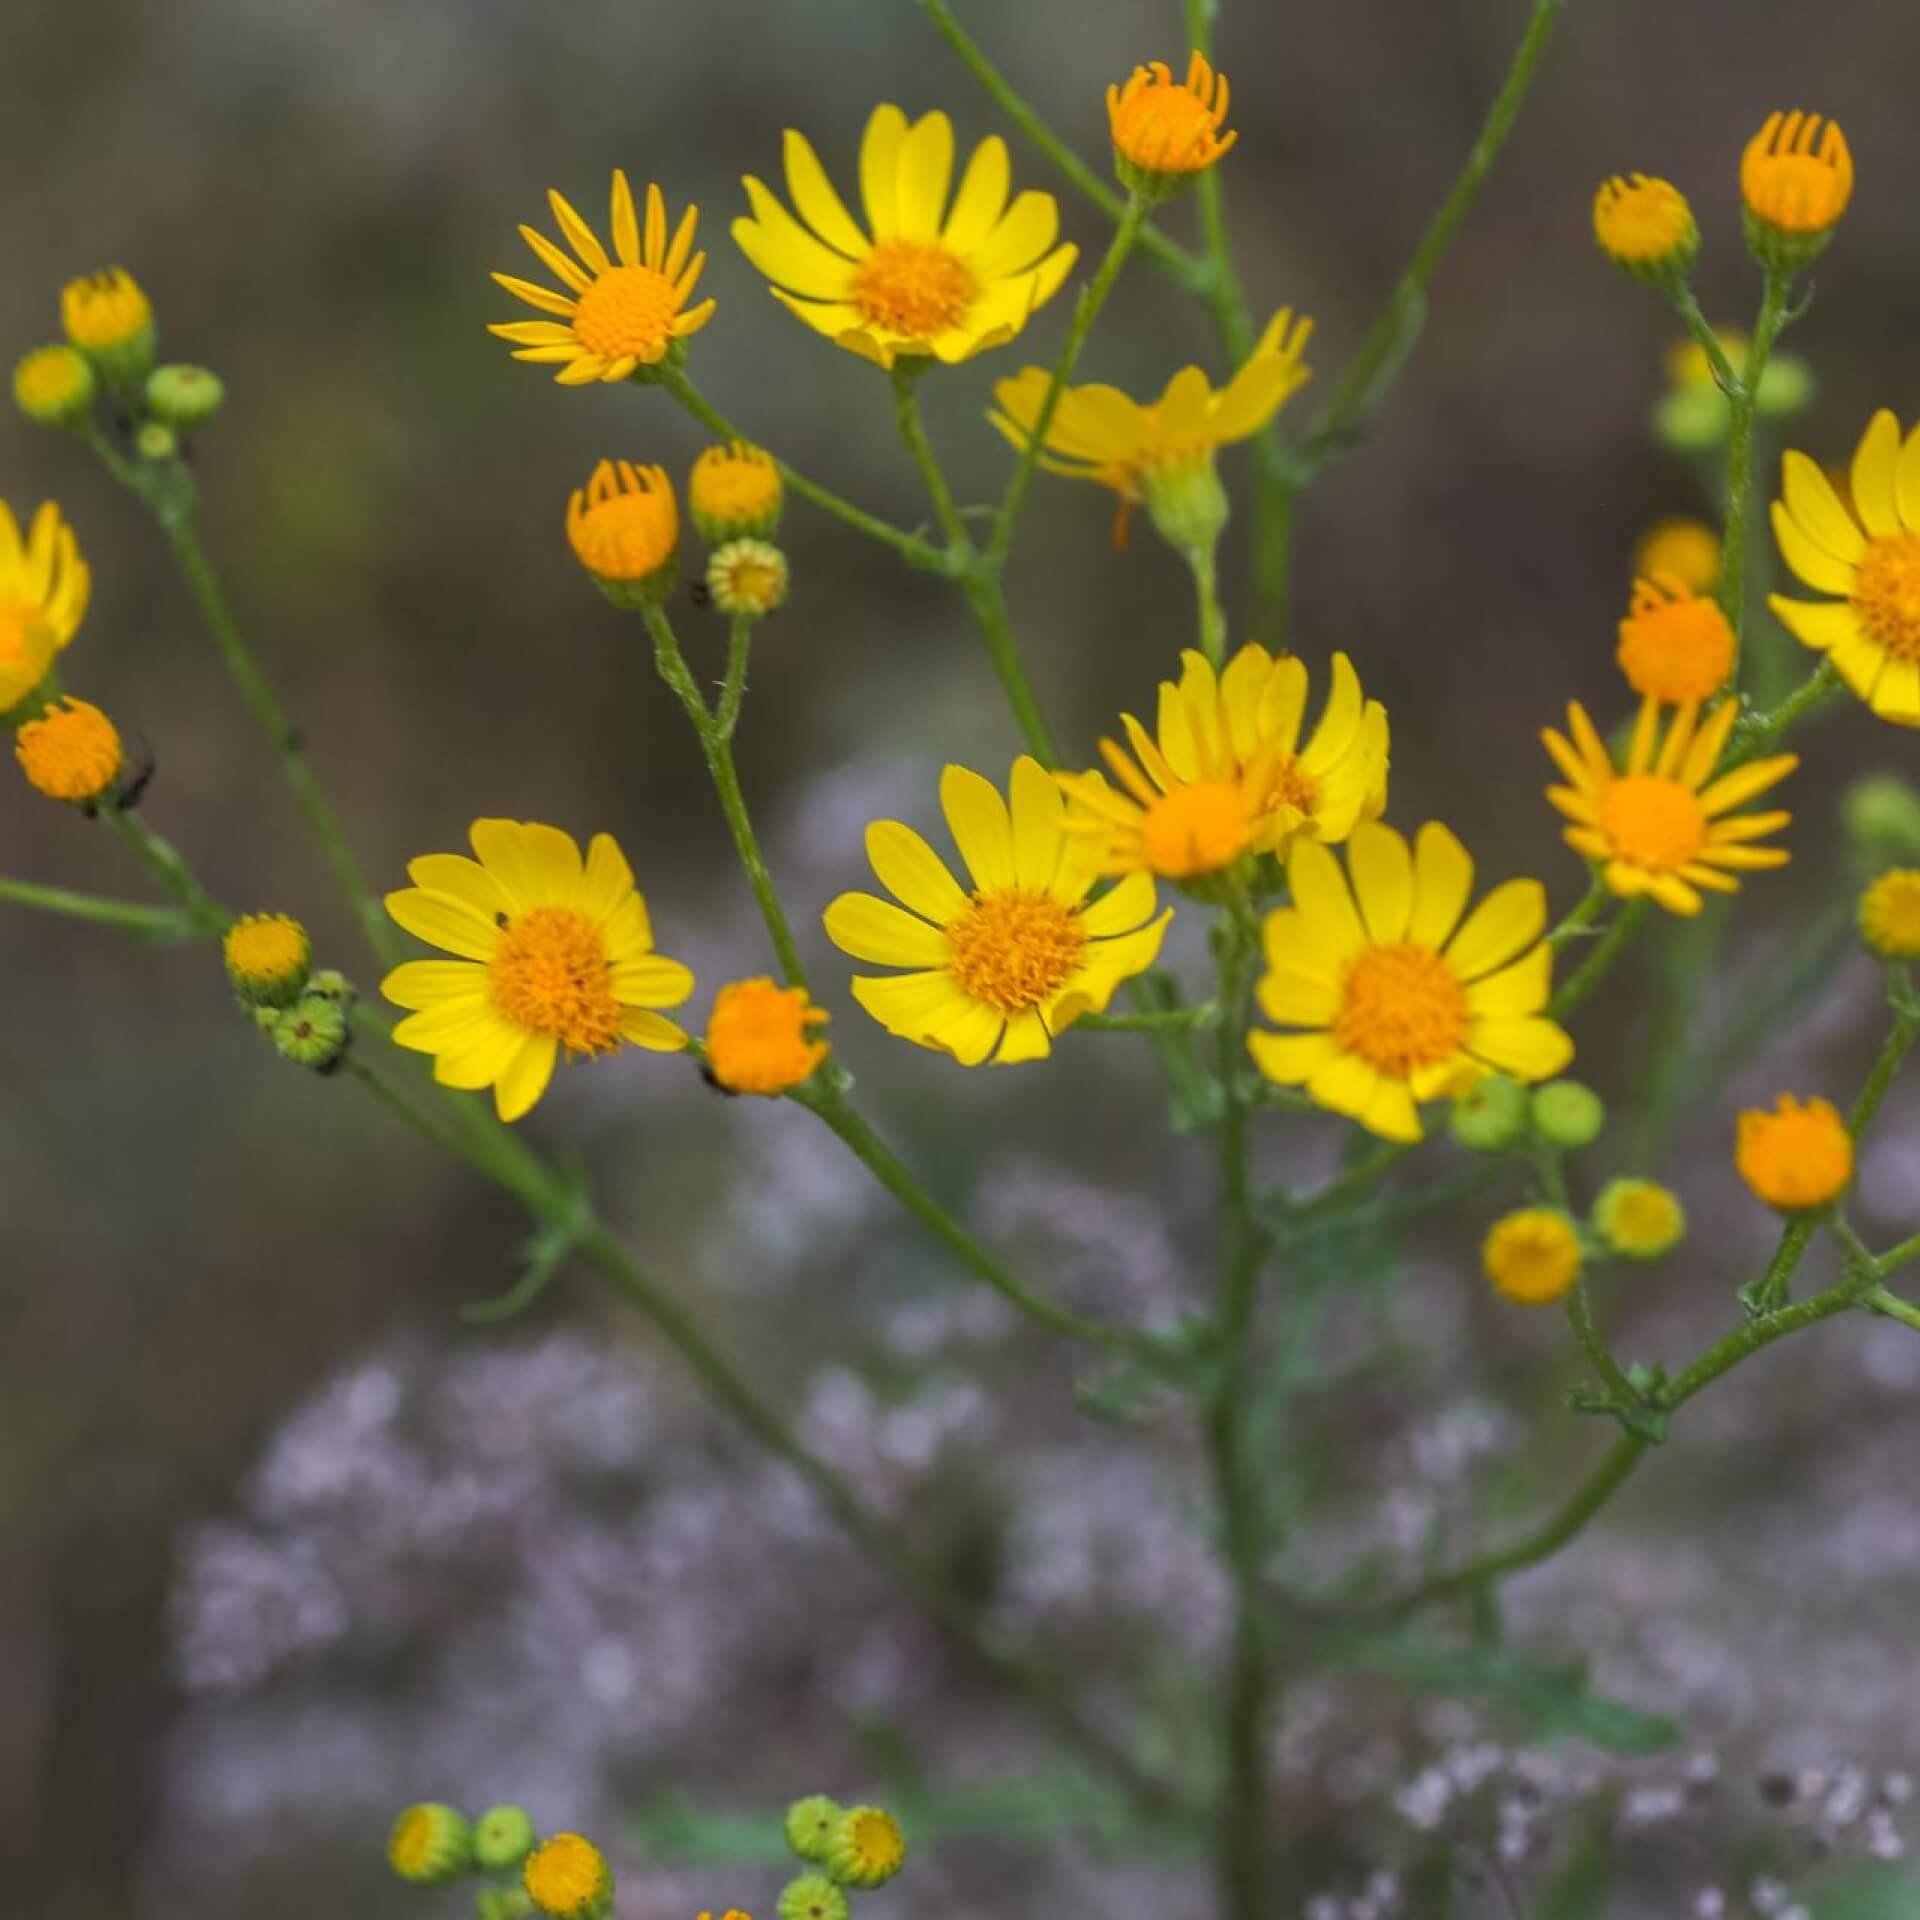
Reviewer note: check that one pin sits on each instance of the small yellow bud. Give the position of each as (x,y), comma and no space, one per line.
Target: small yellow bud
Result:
(1166,131)
(1798,1157)
(109,318)
(1890,915)
(568,1877)
(1796,181)
(54,386)
(71,753)
(735,492)
(429,1843)
(748,579)
(1639,1218)
(625,530)
(1645,227)
(267,957)
(758,1039)
(1532,1255)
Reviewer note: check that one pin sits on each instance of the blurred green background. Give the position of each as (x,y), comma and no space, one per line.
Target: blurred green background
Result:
(196,1240)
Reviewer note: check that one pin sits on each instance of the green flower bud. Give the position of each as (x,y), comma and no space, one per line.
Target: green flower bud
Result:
(1882,812)
(55,386)
(748,577)
(1490,1115)
(813,1897)
(1639,1218)
(1567,1114)
(867,1848)
(312,1033)
(1187,503)
(810,1826)
(156,441)
(503,1837)
(326,983)
(1786,386)
(430,1843)
(184,396)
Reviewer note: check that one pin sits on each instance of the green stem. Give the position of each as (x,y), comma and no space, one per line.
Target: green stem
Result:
(1898,1256)
(718,752)
(1242,1840)
(989,607)
(886,1167)
(1894,1307)
(128,916)
(1541,1544)
(1599,962)
(169,869)
(1892,1056)
(1086,310)
(1204,1014)
(1186,267)
(733,689)
(910,547)
(1582,915)
(1599,1357)
(1759,1332)
(1757,733)
(1733,562)
(1212,623)
(913,434)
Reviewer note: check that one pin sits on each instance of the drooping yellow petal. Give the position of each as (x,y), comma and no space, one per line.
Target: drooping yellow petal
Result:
(524,1077)
(1809,560)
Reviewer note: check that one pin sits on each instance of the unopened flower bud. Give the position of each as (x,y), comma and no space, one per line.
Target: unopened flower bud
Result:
(267,957)
(55,386)
(1489,1115)
(810,1825)
(1568,1114)
(184,396)
(430,1843)
(813,1897)
(503,1837)
(312,1033)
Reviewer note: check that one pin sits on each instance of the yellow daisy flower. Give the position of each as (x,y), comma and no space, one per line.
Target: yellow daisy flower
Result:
(1657,825)
(920,278)
(1000,970)
(1402,1000)
(44,585)
(1228,775)
(551,953)
(1097,433)
(619,312)
(1870,556)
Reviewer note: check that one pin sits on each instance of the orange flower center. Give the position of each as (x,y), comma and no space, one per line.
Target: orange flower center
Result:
(1654,822)
(1886,593)
(758,1039)
(1013,947)
(551,975)
(627,311)
(915,287)
(1401,1007)
(1674,647)
(1196,829)
(1290,785)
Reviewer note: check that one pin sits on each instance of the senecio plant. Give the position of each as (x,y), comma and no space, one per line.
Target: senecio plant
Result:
(1368,978)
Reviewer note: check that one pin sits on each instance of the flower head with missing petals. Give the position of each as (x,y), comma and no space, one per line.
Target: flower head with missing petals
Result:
(44,588)
(921,279)
(1001,970)
(1165,131)
(1675,646)
(621,311)
(1143,450)
(71,753)
(1795,180)
(551,954)
(1869,554)
(760,1038)
(1401,998)
(1664,825)
(1228,773)
(1797,1158)
(1645,227)
(624,528)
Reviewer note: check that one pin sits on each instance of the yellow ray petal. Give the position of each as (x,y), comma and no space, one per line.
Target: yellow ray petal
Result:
(877,930)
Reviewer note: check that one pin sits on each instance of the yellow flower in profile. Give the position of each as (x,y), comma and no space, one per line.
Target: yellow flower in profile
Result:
(1685,548)
(620,311)
(1097,433)
(624,528)
(921,278)
(1401,999)
(1869,556)
(1797,1157)
(551,953)
(1890,915)
(1644,225)
(72,752)
(759,1037)
(44,585)
(1227,775)
(1001,969)
(1532,1255)
(1675,646)
(1794,177)
(1659,826)
(1165,127)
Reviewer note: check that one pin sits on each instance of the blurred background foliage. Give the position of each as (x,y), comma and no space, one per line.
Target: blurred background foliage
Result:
(205,1257)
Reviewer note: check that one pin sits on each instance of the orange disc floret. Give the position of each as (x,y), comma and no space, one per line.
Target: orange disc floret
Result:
(759,1037)
(1796,175)
(1162,126)
(1796,1158)
(624,527)
(1674,646)
(72,752)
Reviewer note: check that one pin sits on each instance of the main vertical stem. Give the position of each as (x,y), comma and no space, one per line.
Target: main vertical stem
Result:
(1241,1841)
(1733,562)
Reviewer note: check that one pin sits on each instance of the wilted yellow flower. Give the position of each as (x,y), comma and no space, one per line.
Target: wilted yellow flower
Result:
(72,752)
(1644,225)
(1228,775)
(1674,646)
(759,1037)
(1686,549)
(1163,128)
(1097,433)
(624,528)
(1003,968)
(1659,825)
(1402,1001)
(619,312)
(1797,1157)
(1890,915)
(1872,633)
(1532,1255)
(921,278)
(44,585)
(551,953)
(1794,177)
